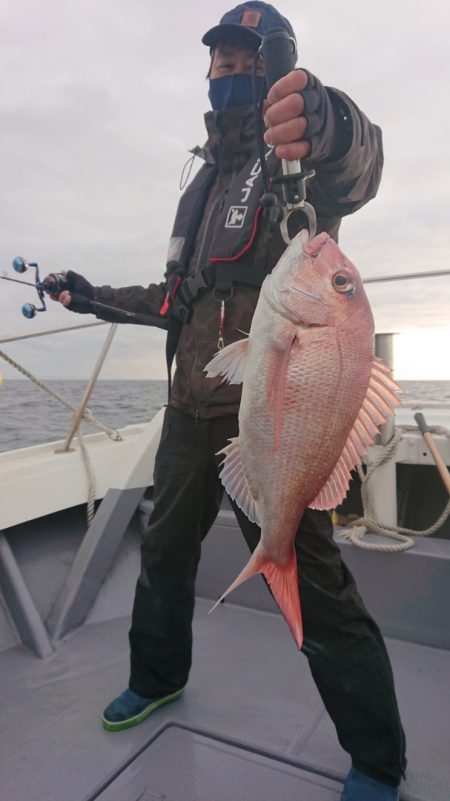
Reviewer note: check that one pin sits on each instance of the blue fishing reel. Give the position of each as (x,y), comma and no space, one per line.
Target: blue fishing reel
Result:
(29,310)
(20,265)
(53,284)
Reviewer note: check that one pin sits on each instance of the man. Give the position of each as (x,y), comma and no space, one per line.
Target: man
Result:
(219,222)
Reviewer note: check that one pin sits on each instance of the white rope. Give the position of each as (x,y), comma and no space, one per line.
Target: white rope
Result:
(358,528)
(92,486)
(439,430)
(86,417)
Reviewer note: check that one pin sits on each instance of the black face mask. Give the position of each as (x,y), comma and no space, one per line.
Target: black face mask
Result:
(234,90)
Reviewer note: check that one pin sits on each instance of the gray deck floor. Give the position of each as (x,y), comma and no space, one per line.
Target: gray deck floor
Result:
(250,727)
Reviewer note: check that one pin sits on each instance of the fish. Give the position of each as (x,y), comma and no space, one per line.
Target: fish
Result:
(313,398)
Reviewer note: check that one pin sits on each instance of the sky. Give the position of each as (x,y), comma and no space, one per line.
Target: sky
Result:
(100,101)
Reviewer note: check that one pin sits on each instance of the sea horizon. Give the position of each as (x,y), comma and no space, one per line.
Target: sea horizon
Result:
(31,416)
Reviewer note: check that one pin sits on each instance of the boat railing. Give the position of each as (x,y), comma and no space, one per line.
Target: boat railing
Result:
(422,404)
(389,438)
(383,349)
(80,412)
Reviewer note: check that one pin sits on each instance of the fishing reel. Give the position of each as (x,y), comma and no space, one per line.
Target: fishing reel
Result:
(53,284)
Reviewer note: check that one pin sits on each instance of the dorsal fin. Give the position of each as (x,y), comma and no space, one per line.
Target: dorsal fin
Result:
(380,400)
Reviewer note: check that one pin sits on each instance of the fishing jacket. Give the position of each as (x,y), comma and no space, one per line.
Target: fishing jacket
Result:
(219,225)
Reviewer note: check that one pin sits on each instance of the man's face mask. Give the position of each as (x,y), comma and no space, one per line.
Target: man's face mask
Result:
(234,90)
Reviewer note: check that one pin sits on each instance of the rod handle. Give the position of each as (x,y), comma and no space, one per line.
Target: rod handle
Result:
(279,54)
(421,422)
(438,460)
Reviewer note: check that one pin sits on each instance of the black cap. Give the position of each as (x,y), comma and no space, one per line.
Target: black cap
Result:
(252,19)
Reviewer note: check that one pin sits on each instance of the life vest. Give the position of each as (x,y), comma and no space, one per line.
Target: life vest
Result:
(235,229)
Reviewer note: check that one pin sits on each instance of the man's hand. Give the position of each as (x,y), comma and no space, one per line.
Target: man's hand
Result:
(64,297)
(302,121)
(284,116)
(77,298)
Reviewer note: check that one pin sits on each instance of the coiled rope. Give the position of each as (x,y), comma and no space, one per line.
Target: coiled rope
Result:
(357,529)
(87,417)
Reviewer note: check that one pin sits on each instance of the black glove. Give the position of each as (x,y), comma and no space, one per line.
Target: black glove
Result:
(330,128)
(82,293)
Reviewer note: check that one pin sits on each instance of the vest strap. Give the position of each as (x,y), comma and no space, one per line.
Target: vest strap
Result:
(219,277)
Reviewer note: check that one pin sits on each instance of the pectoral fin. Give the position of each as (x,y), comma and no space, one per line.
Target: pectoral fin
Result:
(229,362)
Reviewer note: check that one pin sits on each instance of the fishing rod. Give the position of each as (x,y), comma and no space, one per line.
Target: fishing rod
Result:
(55,283)
(278,52)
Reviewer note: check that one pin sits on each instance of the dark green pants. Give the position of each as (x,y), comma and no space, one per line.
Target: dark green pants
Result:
(342,643)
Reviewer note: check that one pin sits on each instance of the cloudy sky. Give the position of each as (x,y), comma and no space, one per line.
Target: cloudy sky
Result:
(99,102)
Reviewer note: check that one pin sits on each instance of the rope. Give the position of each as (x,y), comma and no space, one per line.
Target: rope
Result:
(92,486)
(358,528)
(86,417)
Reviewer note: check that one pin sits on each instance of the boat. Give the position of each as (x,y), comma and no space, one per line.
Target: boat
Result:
(250,725)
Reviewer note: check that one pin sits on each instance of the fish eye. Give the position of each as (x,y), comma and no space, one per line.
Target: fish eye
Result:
(342,282)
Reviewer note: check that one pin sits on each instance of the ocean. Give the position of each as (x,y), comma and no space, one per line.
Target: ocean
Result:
(29,416)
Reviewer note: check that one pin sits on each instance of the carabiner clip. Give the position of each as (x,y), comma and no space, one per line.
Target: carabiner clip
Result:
(309,213)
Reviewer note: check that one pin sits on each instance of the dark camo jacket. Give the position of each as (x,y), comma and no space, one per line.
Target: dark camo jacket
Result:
(338,188)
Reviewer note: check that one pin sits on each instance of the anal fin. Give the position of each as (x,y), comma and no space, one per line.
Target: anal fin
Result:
(233,479)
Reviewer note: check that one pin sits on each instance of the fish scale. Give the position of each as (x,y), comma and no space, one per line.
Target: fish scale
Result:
(313,396)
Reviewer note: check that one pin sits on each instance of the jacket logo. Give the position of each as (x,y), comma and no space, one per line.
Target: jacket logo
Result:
(254,174)
(236,216)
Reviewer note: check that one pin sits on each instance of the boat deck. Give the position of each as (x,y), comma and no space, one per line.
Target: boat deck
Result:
(250,726)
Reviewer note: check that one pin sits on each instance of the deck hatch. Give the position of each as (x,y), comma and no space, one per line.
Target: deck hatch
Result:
(183,765)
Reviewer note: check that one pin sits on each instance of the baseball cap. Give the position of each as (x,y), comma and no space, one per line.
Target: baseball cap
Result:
(253,19)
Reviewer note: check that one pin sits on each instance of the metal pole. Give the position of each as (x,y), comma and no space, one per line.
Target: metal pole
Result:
(89,389)
(18,337)
(406,276)
(384,349)
(383,481)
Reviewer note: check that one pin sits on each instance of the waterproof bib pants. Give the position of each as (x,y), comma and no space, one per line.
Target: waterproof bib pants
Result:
(342,643)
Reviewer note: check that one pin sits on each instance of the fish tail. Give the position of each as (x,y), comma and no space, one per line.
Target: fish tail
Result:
(283,583)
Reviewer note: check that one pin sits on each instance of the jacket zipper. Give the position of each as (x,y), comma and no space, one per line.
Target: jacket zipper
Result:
(203,251)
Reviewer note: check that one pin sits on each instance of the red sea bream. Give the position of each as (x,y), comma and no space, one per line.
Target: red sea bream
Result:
(313,396)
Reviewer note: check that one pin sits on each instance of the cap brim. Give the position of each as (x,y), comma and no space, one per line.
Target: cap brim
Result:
(220,32)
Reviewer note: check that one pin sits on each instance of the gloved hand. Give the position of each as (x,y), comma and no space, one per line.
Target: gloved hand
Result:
(302,120)
(78,295)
